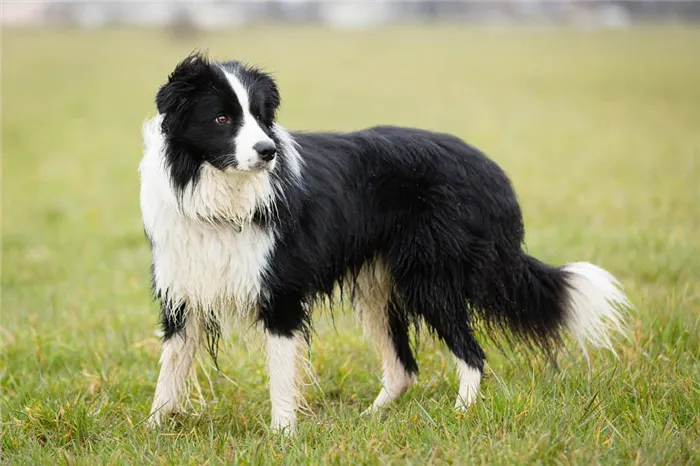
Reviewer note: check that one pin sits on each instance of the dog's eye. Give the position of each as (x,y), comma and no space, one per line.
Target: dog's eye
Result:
(223,120)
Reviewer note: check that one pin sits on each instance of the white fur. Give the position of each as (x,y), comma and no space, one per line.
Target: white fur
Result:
(291,150)
(469,381)
(372,298)
(176,362)
(250,132)
(596,305)
(282,364)
(206,265)
(197,260)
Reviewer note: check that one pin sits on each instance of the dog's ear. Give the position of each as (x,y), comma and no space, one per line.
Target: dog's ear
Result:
(174,96)
(265,86)
(272,96)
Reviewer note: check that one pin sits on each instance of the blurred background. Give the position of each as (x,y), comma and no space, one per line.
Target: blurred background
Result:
(211,15)
(591,107)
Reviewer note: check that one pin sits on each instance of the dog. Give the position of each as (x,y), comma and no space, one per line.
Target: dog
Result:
(245,218)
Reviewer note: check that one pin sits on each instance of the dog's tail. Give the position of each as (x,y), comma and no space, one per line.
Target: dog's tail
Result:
(579,297)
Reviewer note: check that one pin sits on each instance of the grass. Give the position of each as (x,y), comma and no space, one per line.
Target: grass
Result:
(598,130)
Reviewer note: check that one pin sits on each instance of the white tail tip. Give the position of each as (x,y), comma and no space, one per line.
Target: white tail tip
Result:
(597,305)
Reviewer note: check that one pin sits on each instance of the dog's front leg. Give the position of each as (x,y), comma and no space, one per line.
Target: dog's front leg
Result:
(284,392)
(284,319)
(181,339)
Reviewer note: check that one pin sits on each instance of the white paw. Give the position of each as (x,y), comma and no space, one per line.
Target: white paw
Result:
(462,404)
(370,411)
(285,425)
(153,424)
(386,396)
(155,420)
(160,412)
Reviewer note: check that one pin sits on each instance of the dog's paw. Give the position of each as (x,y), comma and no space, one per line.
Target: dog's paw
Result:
(155,420)
(372,410)
(462,405)
(160,417)
(285,426)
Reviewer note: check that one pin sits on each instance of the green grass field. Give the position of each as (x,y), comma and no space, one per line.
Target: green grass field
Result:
(600,132)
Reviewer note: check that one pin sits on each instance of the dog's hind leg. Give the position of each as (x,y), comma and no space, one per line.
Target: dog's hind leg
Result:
(434,294)
(386,324)
(181,339)
(453,328)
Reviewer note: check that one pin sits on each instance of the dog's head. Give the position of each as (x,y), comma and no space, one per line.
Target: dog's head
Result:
(218,113)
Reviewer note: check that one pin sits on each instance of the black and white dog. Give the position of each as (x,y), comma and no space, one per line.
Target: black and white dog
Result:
(247,219)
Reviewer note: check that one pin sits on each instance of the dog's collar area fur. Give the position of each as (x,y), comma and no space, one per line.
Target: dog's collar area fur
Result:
(236,225)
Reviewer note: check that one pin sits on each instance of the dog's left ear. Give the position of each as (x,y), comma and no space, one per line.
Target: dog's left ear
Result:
(175,95)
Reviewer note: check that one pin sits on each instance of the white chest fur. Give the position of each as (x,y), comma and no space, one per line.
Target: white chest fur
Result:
(210,266)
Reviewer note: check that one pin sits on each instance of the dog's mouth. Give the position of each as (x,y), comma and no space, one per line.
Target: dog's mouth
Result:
(257,167)
(262,166)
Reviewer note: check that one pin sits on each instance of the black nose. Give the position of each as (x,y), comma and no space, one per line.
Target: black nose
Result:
(266,149)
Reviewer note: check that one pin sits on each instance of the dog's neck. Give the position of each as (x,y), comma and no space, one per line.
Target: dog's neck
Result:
(226,198)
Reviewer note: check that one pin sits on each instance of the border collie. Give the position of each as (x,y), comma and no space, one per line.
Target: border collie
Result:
(247,219)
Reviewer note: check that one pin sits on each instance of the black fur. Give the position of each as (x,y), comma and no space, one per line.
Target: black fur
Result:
(441,216)
(172,317)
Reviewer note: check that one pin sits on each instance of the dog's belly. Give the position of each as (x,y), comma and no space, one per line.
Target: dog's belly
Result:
(211,268)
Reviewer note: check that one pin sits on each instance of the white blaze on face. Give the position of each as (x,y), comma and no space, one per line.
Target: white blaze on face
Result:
(250,133)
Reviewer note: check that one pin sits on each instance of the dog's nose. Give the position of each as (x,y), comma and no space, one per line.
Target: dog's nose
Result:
(266,150)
